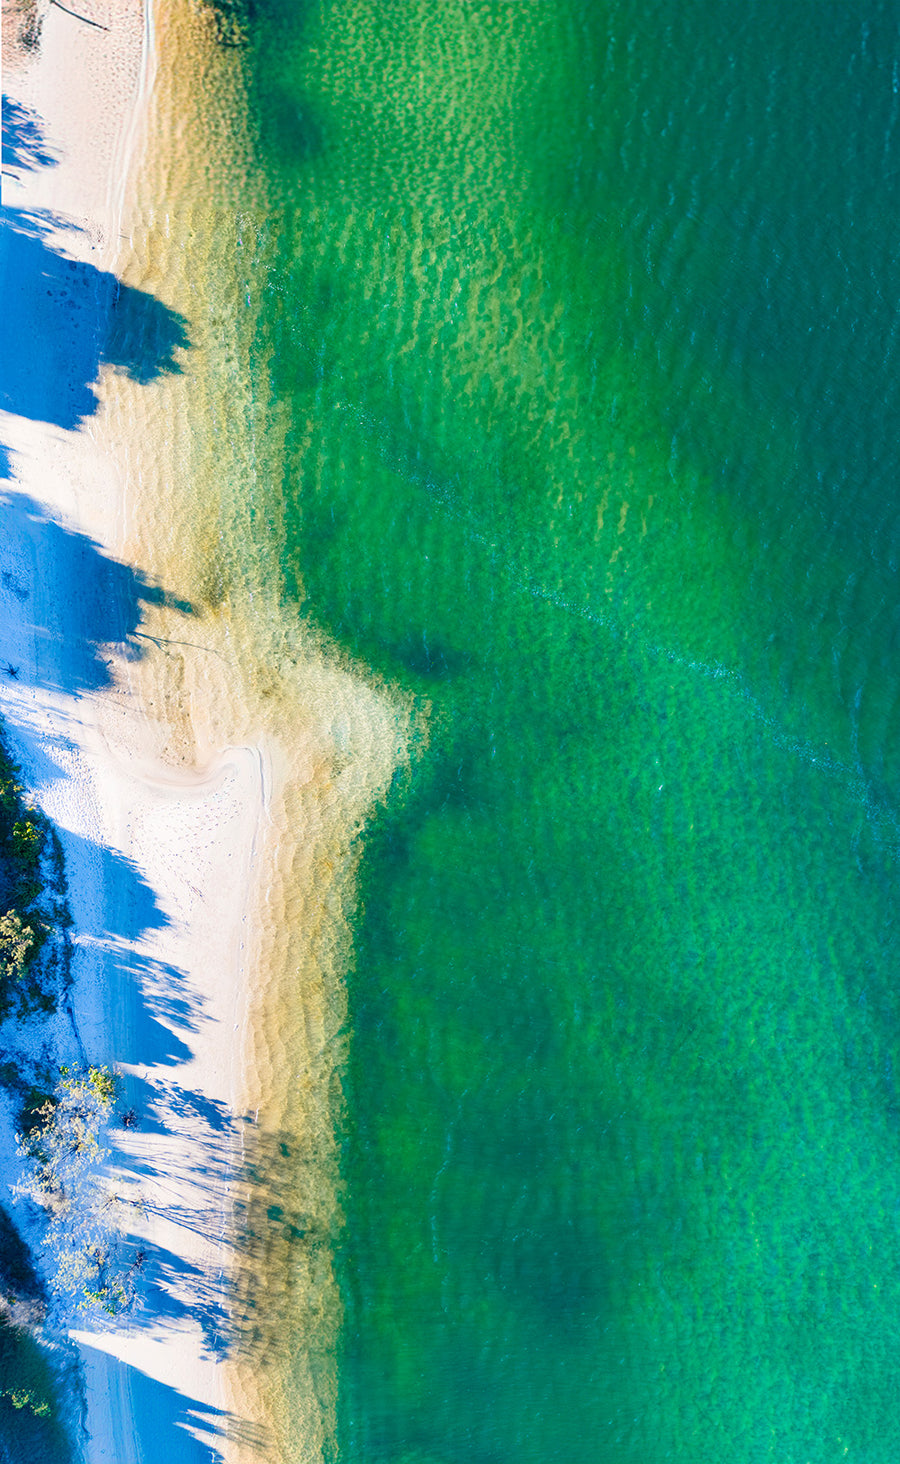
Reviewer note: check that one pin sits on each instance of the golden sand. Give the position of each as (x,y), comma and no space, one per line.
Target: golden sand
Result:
(200,456)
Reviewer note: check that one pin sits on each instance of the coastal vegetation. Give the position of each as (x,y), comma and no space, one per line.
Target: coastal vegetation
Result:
(27,1390)
(62,1145)
(34,915)
(35,981)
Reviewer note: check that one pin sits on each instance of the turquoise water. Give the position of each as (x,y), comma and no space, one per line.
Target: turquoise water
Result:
(586,316)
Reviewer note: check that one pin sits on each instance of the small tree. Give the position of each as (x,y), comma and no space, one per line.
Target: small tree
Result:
(64,1144)
(16,941)
(24,985)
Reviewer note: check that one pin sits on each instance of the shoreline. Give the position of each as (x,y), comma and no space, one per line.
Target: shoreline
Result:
(160,859)
(253,673)
(207,760)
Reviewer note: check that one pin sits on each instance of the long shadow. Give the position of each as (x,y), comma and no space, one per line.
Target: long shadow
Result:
(24,147)
(97,604)
(160,1104)
(80,318)
(65,606)
(157,999)
(160,1007)
(159,1107)
(167,1001)
(278,1224)
(171,1425)
(137,910)
(179,1292)
(146,1038)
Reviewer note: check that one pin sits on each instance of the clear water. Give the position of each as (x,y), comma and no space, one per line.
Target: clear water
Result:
(584,316)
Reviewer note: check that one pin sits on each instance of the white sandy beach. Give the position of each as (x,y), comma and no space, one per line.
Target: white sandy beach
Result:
(206,765)
(160,862)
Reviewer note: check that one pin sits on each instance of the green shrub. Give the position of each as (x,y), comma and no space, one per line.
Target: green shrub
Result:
(26,1377)
(62,1141)
(16,941)
(34,968)
(27,842)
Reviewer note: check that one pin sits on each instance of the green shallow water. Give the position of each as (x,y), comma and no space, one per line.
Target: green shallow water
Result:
(585,316)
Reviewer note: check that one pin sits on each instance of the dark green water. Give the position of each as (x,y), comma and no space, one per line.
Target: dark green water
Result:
(587,318)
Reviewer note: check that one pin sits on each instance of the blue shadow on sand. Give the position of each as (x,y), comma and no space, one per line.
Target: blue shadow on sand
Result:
(63,319)
(136,910)
(101,606)
(24,148)
(157,1000)
(179,1293)
(168,1422)
(66,607)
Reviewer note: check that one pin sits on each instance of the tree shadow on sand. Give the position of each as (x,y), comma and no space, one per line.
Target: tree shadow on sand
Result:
(275,1261)
(158,1008)
(179,1293)
(66,608)
(184,1430)
(279,1230)
(97,604)
(24,147)
(63,319)
(80,318)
